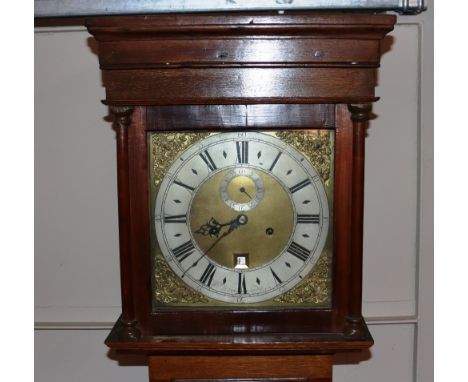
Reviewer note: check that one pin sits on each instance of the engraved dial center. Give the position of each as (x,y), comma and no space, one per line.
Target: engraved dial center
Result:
(220,198)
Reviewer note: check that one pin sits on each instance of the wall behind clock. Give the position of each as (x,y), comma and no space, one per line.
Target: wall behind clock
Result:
(76,249)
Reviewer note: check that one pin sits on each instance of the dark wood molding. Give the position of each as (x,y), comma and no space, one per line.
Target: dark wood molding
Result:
(251,117)
(355,329)
(128,331)
(361,112)
(266,343)
(360,115)
(300,57)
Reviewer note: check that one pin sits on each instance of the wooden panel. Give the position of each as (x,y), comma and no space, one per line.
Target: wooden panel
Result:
(235,24)
(311,368)
(242,85)
(164,52)
(206,117)
(342,210)
(227,321)
(291,116)
(203,117)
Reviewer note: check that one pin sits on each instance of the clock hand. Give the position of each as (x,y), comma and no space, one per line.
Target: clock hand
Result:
(242,189)
(211,228)
(233,224)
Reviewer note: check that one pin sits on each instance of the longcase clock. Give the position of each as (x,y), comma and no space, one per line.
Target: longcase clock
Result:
(240,146)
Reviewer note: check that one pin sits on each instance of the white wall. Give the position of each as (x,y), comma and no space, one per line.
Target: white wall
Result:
(76,255)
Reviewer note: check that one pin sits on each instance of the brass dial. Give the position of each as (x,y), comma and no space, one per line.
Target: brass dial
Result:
(241,217)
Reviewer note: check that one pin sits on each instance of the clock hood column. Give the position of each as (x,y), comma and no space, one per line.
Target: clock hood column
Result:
(122,121)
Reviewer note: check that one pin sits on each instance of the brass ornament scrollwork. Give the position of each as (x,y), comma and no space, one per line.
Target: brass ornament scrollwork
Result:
(316,287)
(316,145)
(169,289)
(165,147)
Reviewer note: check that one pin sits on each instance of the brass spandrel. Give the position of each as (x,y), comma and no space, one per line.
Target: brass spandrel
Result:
(169,289)
(165,148)
(317,146)
(316,287)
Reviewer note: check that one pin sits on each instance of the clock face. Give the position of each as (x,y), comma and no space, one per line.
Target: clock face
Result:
(241,217)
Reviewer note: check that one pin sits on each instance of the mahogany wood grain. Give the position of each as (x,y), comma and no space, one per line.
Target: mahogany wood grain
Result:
(312,368)
(360,117)
(218,117)
(342,213)
(238,343)
(300,57)
(189,51)
(354,25)
(141,257)
(183,321)
(239,85)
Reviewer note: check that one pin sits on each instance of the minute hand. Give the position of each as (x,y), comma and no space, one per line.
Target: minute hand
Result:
(233,224)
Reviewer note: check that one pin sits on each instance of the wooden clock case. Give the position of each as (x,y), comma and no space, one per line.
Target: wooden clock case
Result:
(234,72)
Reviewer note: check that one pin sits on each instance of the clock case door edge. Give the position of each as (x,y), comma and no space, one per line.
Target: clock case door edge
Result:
(136,285)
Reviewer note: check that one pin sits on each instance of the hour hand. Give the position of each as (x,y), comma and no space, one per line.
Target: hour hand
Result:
(215,226)
(211,228)
(233,224)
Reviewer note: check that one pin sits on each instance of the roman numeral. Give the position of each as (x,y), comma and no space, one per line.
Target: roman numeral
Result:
(275,161)
(241,287)
(208,160)
(242,151)
(299,186)
(175,219)
(308,219)
(183,251)
(184,185)
(299,251)
(207,276)
(276,277)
